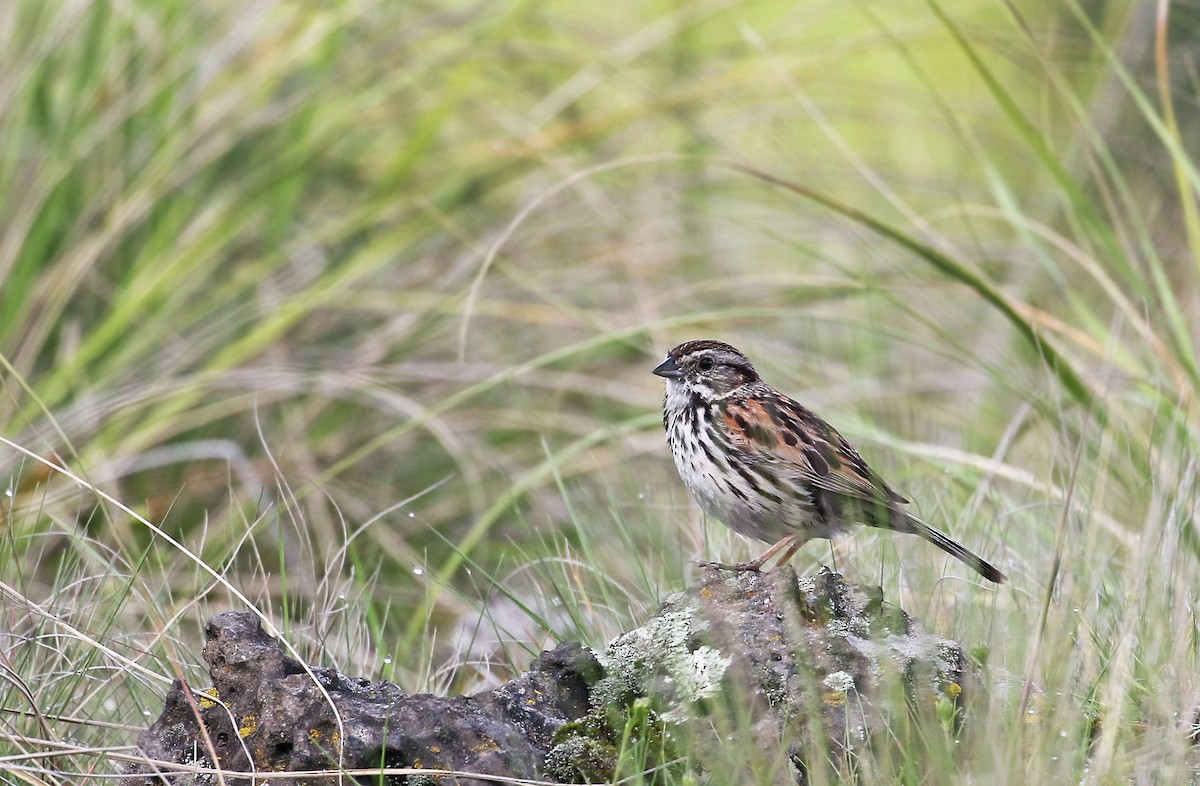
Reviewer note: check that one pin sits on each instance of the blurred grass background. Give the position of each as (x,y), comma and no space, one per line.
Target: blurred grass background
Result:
(353,306)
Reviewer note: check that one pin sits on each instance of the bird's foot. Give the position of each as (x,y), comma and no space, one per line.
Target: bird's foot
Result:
(787,545)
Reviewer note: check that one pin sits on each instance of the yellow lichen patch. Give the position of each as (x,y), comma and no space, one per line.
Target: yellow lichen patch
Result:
(314,736)
(834,698)
(249,724)
(208,701)
(706,593)
(486,745)
(434,749)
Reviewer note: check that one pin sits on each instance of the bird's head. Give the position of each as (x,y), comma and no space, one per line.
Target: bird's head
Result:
(710,369)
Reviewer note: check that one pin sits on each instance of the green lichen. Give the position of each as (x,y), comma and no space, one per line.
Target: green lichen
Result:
(583,753)
(612,741)
(662,660)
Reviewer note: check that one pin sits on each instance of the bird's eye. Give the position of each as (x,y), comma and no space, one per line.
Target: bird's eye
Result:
(706,363)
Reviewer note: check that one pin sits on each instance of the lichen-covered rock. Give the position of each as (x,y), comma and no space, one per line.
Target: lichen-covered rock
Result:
(814,665)
(268,713)
(788,673)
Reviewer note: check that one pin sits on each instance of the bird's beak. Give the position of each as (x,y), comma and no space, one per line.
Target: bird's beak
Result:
(669,369)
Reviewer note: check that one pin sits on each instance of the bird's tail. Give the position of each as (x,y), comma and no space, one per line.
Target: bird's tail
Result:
(952,547)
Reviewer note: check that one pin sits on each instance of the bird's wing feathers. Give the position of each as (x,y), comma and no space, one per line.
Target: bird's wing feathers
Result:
(792,440)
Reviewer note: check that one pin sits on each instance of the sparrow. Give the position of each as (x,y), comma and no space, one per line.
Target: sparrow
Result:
(770,468)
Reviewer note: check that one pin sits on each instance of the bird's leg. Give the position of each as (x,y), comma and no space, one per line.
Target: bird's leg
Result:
(787,545)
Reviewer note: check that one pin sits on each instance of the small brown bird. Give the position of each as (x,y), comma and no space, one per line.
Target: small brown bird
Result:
(770,468)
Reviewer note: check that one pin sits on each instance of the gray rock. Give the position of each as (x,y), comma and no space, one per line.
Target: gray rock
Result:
(813,668)
(272,715)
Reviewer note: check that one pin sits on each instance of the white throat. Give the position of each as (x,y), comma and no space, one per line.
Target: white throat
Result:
(679,393)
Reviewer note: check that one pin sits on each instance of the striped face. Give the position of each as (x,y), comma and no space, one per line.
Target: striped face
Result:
(708,369)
